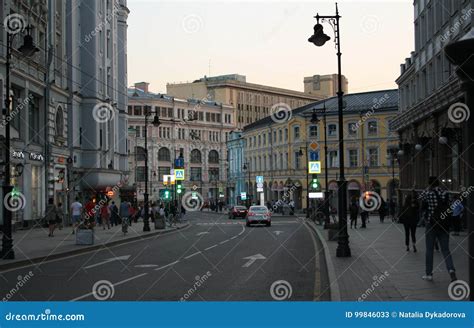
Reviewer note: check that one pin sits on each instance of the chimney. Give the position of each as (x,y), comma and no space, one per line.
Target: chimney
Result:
(142,86)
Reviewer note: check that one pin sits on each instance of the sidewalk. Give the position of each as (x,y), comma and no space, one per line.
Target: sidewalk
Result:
(34,245)
(381,269)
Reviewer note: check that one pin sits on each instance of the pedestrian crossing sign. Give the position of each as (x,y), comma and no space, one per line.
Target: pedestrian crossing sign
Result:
(179,174)
(314,167)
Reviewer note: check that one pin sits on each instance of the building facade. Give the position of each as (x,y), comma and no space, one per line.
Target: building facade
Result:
(431,134)
(236,176)
(325,86)
(196,129)
(97,81)
(280,150)
(251,101)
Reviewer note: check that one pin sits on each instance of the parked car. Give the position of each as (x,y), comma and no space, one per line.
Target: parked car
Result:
(237,212)
(258,215)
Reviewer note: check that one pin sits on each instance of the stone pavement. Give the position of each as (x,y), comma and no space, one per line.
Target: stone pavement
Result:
(381,269)
(34,245)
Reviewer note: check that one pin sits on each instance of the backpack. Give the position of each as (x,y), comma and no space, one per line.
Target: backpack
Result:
(441,214)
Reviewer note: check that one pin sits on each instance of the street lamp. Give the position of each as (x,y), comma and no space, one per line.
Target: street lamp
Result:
(301,153)
(315,120)
(28,49)
(392,157)
(156,122)
(460,54)
(247,168)
(319,38)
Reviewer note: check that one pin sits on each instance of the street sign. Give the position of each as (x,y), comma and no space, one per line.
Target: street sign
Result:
(243,196)
(314,145)
(259,189)
(168,179)
(194,195)
(314,167)
(259,179)
(314,156)
(221,196)
(179,163)
(318,195)
(179,174)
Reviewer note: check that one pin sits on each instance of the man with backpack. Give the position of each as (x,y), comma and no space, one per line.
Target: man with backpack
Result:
(437,227)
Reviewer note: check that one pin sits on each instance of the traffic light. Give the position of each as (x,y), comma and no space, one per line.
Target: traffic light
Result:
(315,183)
(179,188)
(167,194)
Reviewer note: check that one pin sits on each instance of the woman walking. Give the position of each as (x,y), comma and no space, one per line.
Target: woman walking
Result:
(409,218)
(51,216)
(105,216)
(354,212)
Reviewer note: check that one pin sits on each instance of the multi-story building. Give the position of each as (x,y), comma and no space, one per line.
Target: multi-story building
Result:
(97,83)
(197,129)
(38,114)
(430,132)
(236,175)
(277,149)
(251,101)
(324,86)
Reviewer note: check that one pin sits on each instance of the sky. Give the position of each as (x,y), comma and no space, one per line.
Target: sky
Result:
(178,41)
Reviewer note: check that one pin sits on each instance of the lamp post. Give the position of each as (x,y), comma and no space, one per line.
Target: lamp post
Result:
(28,49)
(392,157)
(460,53)
(156,123)
(319,39)
(304,150)
(247,168)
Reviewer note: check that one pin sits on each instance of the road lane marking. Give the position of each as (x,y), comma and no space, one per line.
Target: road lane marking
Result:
(317,265)
(189,256)
(252,259)
(165,266)
(211,247)
(224,241)
(234,237)
(202,233)
(116,284)
(278,232)
(146,266)
(113,259)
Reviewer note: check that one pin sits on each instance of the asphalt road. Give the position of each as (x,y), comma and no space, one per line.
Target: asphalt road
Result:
(214,259)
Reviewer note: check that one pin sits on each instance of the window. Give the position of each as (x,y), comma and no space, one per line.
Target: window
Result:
(59,122)
(214,174)
(164,155)
(296,132)
(352,129)
(297,160)
(141,176)
(196,156)
(196,174)
(208,117)
(332,130)
(353,158)
(333,159)
(130,110)
(140,154)
(372,128)
(137,110)
(163,170)
(373,157)
(286,134)
(313,131)
(213,157)
(33,119)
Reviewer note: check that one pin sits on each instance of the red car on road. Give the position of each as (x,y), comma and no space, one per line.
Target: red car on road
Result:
(237,212)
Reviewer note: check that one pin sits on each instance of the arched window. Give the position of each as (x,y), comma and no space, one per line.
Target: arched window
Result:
(196,156)
(140,153)
(213,157)
(59,122)
(164,155)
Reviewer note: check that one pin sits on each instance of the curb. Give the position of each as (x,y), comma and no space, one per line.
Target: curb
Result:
(333,285)
(87,249)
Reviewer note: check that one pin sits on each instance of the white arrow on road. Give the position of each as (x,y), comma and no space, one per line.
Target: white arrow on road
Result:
(202,233)
(113,259)
(278,232)
(252,259)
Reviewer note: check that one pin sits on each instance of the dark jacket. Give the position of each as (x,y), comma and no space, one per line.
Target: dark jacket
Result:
(409,214)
